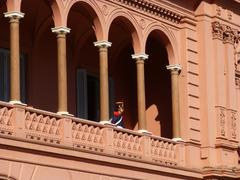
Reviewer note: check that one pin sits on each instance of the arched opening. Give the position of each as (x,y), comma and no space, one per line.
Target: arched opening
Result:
(158,86)
(122,68)
(83,62)
(39,49)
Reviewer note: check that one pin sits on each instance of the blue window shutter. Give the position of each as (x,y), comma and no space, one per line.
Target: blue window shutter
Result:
(4,75)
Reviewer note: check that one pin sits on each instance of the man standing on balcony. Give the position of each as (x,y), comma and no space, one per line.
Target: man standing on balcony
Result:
(118,115)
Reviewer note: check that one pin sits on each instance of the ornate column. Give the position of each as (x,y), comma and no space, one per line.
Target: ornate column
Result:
(103,69)
(175,69)
(140,58)
(14,56)
(62,69)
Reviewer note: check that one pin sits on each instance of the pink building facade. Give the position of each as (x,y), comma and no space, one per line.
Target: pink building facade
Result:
(174,64)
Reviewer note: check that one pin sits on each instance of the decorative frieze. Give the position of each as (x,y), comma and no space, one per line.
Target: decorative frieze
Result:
(217,30)
(224,33)
(229,35)
(237,78)
(221,121)
(146,6)
(226,123)
(237,47)
(233,124)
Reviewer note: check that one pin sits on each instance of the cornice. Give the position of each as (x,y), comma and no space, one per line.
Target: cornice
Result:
(152,8)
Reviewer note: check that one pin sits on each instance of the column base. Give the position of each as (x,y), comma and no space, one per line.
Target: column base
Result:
(143,131)
(106,123)
(17,103)
(64,113)
(178,139)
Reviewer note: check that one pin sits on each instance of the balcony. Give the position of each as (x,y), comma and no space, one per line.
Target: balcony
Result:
(35,126)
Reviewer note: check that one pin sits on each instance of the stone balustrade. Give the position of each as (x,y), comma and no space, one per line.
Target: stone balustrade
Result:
(37,126)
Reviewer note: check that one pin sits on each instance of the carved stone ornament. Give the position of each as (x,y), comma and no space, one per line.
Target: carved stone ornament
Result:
(217,30)
(223,32)
(233,125)
(142,23)
(221,121)
(218,11)
(228,35)
(105,10)
(237,47)
(149,7)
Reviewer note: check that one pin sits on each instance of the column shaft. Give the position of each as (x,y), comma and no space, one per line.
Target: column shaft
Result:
(104,94)
(14,60)
(141,94)
(175,104)
(62,73)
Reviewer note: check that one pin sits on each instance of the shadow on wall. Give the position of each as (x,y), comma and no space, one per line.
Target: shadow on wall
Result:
(153,120)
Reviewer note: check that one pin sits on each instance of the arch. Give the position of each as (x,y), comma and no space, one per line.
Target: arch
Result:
(56,12)
(5,177)
(167,38)
(131,24)
(93,11)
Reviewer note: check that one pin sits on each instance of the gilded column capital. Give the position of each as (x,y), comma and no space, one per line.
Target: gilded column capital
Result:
(14,15)
(102,44)
(174,67)
(61,30)
(140,56)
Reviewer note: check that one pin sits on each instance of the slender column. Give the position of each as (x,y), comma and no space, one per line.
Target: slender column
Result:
(62,69)
(140,58)
(175,69)
(14,56)
(103,69)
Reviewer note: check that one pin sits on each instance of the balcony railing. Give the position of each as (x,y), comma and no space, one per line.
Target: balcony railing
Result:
(37,126)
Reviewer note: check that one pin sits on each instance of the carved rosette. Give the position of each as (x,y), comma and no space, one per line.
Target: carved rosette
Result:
(221,121)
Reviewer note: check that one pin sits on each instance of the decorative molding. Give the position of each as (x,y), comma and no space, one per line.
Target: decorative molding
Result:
(103,43)
(141,56)
(174,67)
(237,78)
(217,30)
(233,122)
(142,23)
(221,121)
(237,47)
(224,33)
(149,7)
(14,14)
(60,30)
(105,10)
